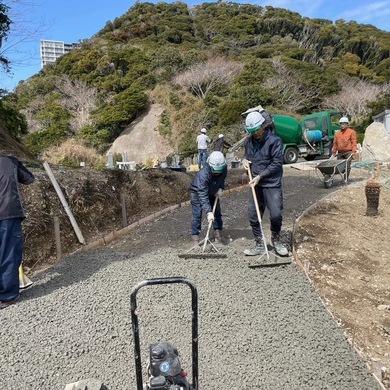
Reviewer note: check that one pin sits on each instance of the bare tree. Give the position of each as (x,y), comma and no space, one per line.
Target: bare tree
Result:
(24,28)
(354,96)
(292,92)
(5,23)
(204,77)
(30,112)
(78,98)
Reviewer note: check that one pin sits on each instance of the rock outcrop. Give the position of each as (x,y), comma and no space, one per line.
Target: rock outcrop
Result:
(376,143)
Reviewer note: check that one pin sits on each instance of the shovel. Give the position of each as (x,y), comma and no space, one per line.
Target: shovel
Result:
(272,259)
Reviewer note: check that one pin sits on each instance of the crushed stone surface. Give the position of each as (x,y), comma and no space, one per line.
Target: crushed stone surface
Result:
(263,328)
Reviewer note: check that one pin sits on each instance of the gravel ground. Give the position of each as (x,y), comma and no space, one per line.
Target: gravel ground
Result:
(263,328)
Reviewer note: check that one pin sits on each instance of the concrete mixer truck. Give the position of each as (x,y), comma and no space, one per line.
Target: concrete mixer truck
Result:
(308,137)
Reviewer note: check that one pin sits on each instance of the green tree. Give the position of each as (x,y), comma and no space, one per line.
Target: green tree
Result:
(14,121)
(53,121)
(113,116)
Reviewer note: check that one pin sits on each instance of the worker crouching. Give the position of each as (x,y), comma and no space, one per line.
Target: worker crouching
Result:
(205,190)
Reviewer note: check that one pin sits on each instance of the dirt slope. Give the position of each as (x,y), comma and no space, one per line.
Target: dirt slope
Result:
(141,139)
(346,256)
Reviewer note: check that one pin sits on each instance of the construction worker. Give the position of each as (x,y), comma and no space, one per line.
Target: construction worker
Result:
(220,144)
(269,123)
(13,172)
(202,140)
(205,189)
(263,156)
(344,142)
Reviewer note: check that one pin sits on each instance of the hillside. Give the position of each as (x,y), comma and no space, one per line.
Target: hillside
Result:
(203,65)
(8,145)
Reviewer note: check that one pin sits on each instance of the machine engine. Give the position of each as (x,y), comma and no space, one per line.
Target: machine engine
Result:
(165,372)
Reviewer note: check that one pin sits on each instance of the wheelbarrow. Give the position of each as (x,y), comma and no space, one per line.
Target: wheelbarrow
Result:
(329,168)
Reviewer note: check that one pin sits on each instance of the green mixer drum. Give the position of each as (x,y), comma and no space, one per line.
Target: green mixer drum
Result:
(288,129)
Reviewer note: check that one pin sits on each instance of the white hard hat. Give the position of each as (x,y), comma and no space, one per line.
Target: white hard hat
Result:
(217,161)
(220,136)
(344,119)
(203,130)
(253,121)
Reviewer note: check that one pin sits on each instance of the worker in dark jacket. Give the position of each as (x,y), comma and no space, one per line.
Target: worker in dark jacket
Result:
(206,187)
(269,123)
(264,157)
(12,172)
(220,144)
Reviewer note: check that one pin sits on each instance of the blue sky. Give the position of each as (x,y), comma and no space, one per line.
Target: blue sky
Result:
(72,20)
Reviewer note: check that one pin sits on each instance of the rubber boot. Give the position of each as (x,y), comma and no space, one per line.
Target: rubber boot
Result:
(279,247)
(217,236)
(257,250)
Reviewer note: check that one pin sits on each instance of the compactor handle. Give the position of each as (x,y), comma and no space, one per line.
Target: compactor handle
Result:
(135,327)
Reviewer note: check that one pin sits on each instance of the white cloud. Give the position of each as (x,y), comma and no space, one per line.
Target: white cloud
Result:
(376,13)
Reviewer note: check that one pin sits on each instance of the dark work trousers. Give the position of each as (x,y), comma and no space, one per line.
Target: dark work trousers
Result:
(202,157)
(11,249)
(272,198)
(196,223)
(345,156)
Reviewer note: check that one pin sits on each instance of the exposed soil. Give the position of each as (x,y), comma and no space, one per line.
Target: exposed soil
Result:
(346,256)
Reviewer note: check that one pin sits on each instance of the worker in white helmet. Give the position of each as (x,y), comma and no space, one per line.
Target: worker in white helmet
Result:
(344,142)
(202,140)
(208,184)
(221,144)
(263,157)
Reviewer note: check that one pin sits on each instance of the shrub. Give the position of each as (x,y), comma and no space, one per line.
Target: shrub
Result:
(71,153)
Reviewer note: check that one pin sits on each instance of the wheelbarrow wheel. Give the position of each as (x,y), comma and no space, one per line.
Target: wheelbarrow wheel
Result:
(328,181)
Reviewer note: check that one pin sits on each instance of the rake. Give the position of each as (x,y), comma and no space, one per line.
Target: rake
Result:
(202,255)
(272,260)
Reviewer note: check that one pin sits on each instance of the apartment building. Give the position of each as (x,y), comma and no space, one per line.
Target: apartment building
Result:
(51,50)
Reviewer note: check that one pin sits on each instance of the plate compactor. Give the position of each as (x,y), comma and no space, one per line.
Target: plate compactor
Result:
(164,367)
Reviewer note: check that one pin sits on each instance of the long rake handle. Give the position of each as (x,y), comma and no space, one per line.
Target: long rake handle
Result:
(258,211)
(210,224)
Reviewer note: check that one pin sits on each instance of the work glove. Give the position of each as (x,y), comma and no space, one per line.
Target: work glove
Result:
(245,163)
(255,181)
(219,192)
(210,217)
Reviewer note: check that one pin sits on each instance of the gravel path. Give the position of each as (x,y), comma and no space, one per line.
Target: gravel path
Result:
(259,328)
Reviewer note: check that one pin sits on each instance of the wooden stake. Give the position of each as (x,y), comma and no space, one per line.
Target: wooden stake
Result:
(64,202)
(124,213)
(57,233)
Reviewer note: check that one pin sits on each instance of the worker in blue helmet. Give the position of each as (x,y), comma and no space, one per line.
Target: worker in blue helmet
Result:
(205,189)
(263,156)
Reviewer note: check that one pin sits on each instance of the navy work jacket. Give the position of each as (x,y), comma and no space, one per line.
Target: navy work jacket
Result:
(205,184)
(266,156)
(12,172)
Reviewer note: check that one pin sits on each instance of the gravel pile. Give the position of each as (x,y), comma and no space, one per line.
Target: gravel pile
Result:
(262,328)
